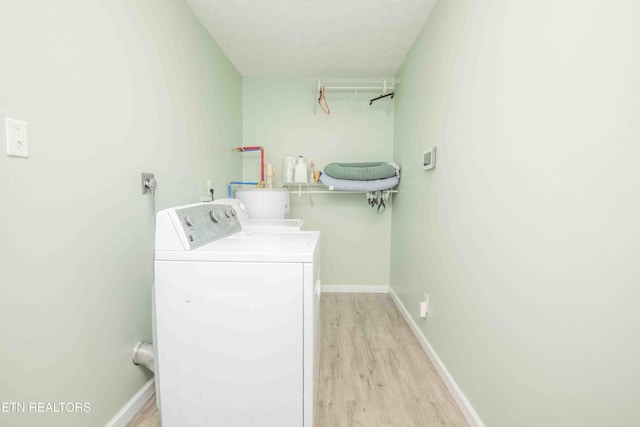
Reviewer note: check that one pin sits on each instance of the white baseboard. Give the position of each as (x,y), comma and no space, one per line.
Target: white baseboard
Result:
(355,289)
(465,406)
(133,406)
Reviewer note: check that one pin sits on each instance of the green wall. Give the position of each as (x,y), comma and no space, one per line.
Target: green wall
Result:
(526,235)
(279,115)
(110,89)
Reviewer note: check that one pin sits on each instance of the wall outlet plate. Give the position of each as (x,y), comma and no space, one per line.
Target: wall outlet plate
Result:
(145,177)
(424,306)
(423,309)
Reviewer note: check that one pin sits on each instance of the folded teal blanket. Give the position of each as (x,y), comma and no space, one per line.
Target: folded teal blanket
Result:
(360,171)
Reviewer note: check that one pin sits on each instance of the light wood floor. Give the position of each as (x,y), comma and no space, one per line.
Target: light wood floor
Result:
(373,371)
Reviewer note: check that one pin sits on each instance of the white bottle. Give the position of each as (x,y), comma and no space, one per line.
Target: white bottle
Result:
(289,167)
(312,171)
(301,171)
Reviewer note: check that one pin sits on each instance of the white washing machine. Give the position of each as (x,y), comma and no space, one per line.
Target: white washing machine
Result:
(248,224)
(236,321)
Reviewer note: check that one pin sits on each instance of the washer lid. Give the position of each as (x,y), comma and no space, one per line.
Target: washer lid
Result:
(281,225)
(250,246)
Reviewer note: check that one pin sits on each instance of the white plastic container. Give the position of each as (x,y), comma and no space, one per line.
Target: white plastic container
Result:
(270,172)
(301,175)
(265,203)
(312,171)
(288,170)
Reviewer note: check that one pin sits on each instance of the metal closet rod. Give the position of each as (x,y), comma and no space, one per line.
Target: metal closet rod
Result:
(353,84)
(355,87)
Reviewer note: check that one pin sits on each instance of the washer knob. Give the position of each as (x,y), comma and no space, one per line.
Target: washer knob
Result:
(233,212)
(187,220)
(213,216)
(227,213)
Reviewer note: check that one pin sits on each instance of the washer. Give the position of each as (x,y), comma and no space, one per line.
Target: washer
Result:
(236,321)
(280,225)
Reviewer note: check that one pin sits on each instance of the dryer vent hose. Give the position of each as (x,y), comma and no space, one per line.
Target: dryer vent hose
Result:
(143,355)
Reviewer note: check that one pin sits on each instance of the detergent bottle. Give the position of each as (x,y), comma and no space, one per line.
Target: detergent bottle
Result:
(301,171)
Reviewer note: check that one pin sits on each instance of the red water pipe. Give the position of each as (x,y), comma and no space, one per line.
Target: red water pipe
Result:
(262,165)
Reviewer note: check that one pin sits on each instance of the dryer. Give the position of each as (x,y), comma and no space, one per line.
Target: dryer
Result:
(236,321)
(247,223)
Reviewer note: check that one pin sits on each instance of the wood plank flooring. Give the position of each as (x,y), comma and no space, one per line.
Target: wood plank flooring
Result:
(373,371)
(148,415)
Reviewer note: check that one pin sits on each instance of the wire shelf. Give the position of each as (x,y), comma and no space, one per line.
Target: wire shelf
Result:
(366,85)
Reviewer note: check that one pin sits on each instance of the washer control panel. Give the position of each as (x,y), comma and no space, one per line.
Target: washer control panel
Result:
(206,223)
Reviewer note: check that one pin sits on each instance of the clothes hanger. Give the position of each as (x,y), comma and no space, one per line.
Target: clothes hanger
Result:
(322,99)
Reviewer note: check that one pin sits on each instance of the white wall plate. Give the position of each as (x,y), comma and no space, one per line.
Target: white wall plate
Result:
(429,159)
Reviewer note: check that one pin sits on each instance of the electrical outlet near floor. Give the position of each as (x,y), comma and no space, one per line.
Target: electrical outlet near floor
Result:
(424,306)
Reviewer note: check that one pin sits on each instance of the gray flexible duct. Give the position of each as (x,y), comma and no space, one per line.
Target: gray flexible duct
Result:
(143,355)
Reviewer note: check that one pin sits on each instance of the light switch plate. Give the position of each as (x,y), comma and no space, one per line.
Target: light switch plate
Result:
(17,138)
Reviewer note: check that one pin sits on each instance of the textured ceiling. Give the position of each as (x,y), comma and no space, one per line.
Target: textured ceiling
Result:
(305,38)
